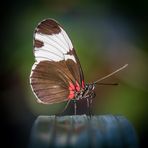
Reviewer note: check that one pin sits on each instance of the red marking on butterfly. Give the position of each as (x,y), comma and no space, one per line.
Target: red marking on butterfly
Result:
(83,84)
(71,95)
(72,89)
(77,86)
(71,86)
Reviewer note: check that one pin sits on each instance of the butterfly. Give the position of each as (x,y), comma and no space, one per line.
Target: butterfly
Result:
(57,75)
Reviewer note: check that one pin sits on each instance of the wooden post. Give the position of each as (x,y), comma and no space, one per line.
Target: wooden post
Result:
(81,131)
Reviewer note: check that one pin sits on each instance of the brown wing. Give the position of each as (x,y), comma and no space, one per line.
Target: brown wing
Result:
(50,81)
(57,71)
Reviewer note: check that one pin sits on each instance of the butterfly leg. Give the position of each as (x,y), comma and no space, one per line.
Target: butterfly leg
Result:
(66,106)
(75,107)
(90,106)
(89,101)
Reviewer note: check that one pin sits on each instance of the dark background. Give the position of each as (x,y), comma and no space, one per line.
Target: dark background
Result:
(106,34)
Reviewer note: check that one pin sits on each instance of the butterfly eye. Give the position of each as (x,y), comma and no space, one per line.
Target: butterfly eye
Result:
(91,87)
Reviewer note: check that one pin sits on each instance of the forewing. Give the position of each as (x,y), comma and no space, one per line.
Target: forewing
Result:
(52,43)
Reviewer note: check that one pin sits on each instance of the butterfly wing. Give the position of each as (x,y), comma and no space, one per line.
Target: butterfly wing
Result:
(57,68)
(50,81)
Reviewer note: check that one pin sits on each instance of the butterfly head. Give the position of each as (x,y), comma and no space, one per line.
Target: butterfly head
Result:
(86,93)
(89,87)
(89,91)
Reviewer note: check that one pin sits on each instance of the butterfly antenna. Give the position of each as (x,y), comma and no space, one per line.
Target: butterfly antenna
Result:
(121,68)
(107,83)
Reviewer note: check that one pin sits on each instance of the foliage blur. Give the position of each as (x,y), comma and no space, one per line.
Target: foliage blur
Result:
(105,34)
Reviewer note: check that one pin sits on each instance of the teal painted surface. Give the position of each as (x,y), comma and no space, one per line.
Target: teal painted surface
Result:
(83,131)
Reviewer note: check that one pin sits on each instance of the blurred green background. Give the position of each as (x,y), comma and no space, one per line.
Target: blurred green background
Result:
(106,35)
